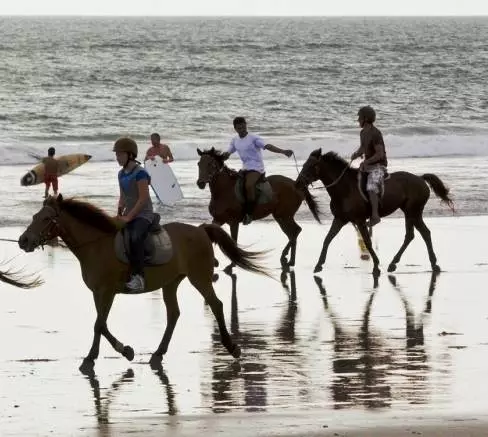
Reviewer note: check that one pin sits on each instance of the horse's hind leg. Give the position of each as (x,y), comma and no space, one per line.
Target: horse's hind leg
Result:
(291,229)
(172,316)
(363,229)
(234,233)
(425,232)
(204,286)
(409,235)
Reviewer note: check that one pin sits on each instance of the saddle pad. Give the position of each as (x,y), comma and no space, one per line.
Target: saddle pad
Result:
(264,192)
(158,247)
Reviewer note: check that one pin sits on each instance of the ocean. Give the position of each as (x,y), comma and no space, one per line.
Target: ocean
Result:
(79,83)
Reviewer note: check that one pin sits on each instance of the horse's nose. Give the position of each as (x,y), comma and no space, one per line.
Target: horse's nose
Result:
(201,184)
(23,240)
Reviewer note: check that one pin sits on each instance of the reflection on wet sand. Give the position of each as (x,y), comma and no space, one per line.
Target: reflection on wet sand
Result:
(372,372)
(251,372)
(268,362)
(103,402)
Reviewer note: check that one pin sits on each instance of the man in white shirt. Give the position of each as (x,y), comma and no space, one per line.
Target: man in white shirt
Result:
(249,146)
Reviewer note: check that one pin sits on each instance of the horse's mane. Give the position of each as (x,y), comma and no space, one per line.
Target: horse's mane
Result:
(89,214)
(339,162)
(214,153)
(217,154)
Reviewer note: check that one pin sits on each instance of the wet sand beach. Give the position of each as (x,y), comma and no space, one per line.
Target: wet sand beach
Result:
(334,354)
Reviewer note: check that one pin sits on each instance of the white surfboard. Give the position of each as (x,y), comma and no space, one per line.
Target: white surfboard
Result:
(163,181)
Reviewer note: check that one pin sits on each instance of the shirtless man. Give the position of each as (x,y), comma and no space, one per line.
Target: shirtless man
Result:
(375,163)
(51,165)
(158,149)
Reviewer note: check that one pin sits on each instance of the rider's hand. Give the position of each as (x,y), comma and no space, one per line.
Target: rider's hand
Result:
(123,219)
(288,153)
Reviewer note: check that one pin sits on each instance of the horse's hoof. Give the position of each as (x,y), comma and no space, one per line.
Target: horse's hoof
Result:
(318,268)
(391,268)
(128,353)
(236,352)
(436,269)
(155,361)
(228,269)
(87,366)
(215,277)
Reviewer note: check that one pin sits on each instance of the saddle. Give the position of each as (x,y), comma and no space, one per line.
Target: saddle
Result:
(264,191)
(362,182)
(158,248)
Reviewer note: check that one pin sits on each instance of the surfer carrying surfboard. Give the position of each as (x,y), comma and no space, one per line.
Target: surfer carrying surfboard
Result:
(51,165)
(159,149)
(249,146)
(135,207)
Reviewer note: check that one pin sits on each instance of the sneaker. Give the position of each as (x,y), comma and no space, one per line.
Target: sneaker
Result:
(247,219)
(135,284)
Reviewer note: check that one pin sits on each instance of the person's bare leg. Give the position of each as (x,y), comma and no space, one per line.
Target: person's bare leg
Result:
(375,216)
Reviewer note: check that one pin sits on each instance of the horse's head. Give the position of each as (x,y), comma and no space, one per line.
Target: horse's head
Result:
(311,169)
(210,163)
(44,225)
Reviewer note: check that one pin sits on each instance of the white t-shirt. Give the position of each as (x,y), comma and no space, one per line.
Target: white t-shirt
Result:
(249,150)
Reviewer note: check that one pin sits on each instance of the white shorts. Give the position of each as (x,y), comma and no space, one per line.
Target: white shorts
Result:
(376,179)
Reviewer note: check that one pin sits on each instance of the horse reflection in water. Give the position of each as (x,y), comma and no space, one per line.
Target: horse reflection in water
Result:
(364,364)
(103,401)
(252,370)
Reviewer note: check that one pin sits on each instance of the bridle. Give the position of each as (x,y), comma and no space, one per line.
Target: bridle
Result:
(51,229)
(335,181)
(215,169)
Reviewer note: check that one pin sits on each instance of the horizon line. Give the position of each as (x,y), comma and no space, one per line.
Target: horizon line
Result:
(244,16)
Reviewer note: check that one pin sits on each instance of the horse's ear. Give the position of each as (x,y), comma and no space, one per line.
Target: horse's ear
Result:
(59,198)
(212,149)
(199,152)
(316,153)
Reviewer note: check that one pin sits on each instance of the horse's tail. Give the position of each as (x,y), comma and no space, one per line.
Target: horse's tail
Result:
(439,188)
(16,281)
(311,202)
(242,258)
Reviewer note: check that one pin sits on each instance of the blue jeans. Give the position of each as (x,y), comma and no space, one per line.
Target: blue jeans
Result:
(138,231)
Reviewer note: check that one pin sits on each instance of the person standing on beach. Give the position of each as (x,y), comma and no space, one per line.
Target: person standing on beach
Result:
(249,146)
(51,166)
(159,149)
(375,163)
(134,208)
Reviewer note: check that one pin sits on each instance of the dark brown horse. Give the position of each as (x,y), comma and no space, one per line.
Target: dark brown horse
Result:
(226,208)
(403,190)
(89,233)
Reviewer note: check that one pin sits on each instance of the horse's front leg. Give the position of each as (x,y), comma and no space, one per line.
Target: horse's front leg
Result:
(234,233)
(103,304)
(336,226)
(363,229)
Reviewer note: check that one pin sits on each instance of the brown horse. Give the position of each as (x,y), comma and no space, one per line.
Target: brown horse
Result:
(226,208)
(403,190)
(89,233)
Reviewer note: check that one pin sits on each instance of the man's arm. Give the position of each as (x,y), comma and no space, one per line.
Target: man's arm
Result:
(230,151)
(276,149)
(379,154)
(168,156)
